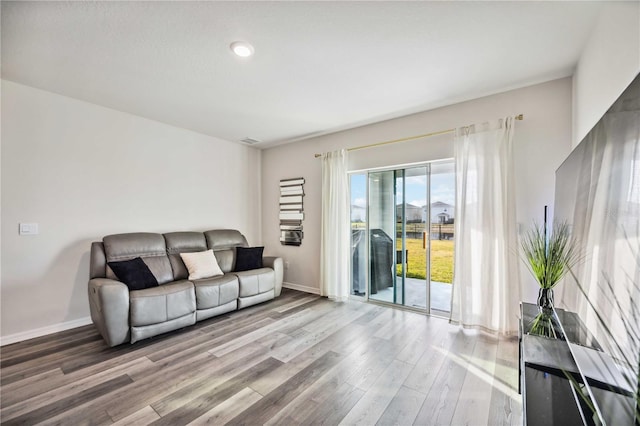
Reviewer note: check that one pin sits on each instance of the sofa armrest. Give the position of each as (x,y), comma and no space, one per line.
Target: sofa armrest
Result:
(109,306)
(276,264)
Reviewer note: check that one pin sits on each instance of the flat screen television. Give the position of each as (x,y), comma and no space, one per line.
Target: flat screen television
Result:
(598,194)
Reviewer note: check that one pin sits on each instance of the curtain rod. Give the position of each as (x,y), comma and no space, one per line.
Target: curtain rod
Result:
(410,138)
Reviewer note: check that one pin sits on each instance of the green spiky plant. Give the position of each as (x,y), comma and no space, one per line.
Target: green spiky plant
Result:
(549,261)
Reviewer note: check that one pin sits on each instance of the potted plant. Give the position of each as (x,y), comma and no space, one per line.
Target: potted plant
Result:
(549,259)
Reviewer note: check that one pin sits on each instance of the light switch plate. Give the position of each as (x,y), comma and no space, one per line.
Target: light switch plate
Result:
(28,229)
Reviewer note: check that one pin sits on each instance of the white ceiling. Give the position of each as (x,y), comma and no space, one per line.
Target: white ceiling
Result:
(318,67)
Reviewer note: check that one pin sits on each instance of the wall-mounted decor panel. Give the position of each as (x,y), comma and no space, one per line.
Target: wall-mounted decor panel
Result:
(291,211)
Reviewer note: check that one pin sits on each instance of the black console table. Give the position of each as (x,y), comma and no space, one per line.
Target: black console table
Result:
(553,373)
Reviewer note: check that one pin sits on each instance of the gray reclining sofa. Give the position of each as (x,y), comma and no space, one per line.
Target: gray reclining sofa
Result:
(122,315)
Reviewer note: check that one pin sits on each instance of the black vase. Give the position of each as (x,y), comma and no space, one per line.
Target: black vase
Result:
(545,299)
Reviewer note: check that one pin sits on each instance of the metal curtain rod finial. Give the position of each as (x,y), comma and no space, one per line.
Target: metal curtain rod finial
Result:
(410,138)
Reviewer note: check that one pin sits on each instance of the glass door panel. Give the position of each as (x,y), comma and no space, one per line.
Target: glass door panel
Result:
(382,236)
(401,258)
(358,192)
(442,191)
(413,238)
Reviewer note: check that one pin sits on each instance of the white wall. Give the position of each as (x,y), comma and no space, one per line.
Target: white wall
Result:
(609,62)
(83,171)
(542,141)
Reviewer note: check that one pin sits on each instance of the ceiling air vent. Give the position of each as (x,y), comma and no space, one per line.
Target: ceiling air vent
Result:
(250,141)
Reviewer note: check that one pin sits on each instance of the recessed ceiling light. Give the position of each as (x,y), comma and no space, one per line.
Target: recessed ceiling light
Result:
(242,48)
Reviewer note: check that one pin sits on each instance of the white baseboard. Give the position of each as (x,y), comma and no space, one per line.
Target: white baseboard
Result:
(306,289)
(50,329)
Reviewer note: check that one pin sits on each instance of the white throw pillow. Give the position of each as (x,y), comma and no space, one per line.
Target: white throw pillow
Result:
(202,264)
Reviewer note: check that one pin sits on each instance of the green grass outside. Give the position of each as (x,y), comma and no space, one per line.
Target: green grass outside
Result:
(441,260)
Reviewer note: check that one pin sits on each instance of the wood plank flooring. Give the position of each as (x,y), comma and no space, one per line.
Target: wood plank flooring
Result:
(299,359)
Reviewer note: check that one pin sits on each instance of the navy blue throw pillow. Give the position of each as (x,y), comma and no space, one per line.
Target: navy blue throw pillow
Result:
(134,273)
(248,258)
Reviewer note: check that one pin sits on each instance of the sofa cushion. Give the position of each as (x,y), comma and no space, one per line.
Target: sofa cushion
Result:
(217,291)
(223,242)
(256,281)
(150,247)
(202,264)
(163,303)
(183,242)
(226,259)
(221,239)
(248,258)
(134,273)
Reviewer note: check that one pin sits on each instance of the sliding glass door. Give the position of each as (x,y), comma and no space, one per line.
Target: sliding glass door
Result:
(392,233)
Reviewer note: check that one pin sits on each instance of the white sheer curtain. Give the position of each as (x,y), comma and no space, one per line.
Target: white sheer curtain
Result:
(334,246)
(486,288)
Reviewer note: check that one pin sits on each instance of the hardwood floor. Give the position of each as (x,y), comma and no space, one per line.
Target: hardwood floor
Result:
(299,359)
